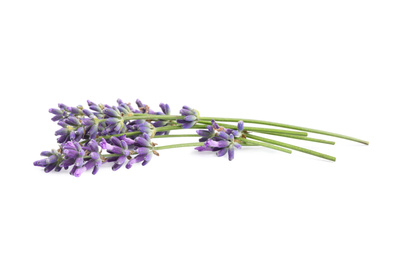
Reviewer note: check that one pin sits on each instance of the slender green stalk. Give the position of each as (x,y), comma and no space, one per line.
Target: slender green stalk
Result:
(153,117)
(285,126)
(259,129)
(293,147)
(168,136)
(250,142)
(305,138)
(178,146)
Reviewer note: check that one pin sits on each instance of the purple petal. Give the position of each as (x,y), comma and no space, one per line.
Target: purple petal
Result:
(188,125)
(138,158)
(50,167)
(62,131)
(222,152)
(94,155)
(223,135)
(238,146)
(240,126)
(105,145)
(51,159)
(214,124)
(203,132)
(142,142)
(41,163)
(70,153)
(142,150)
(78,171)
(55,111)
(116,166)
(186,112)
(46,153)
(79,162)
(190,118)
(231,153)
(115,141)
(56,118)
(121,159)
(116,150)
(95,170)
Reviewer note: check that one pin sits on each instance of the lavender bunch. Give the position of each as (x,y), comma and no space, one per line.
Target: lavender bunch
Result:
(122,135)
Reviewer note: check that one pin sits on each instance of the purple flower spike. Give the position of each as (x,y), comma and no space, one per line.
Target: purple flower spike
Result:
(222,142)
(143,108)
(117,147)
(74,155)
(191,117)
(52,162)
(240,126)
(144,150)
(114,121)
(160,123)
(206,134)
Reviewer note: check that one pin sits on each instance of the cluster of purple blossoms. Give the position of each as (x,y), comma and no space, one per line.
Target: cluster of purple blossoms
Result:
(71,153)
(220,140)
(161,123)
(52,162)
(122,148)
(191,117)
(78,123)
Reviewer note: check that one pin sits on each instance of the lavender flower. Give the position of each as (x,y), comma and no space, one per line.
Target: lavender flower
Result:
(206,134)
(144,150)
(71,130)
(52,162)
(143,108)
(221,142)
(117,147)
(114,121)
(96,109)
(74,156)
(95,160)
(191,117)
(91,123)
(160,123)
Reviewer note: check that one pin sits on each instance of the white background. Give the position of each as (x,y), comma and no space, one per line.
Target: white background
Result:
(331,65)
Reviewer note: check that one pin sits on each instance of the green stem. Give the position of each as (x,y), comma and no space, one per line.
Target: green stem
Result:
(305,138)
(250,142)
(167,136)
(259,129)
(293,147)
(178,145)
(285,126)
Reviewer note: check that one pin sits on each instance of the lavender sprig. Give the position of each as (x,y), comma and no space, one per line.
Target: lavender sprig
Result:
(220,140)
(191,117)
